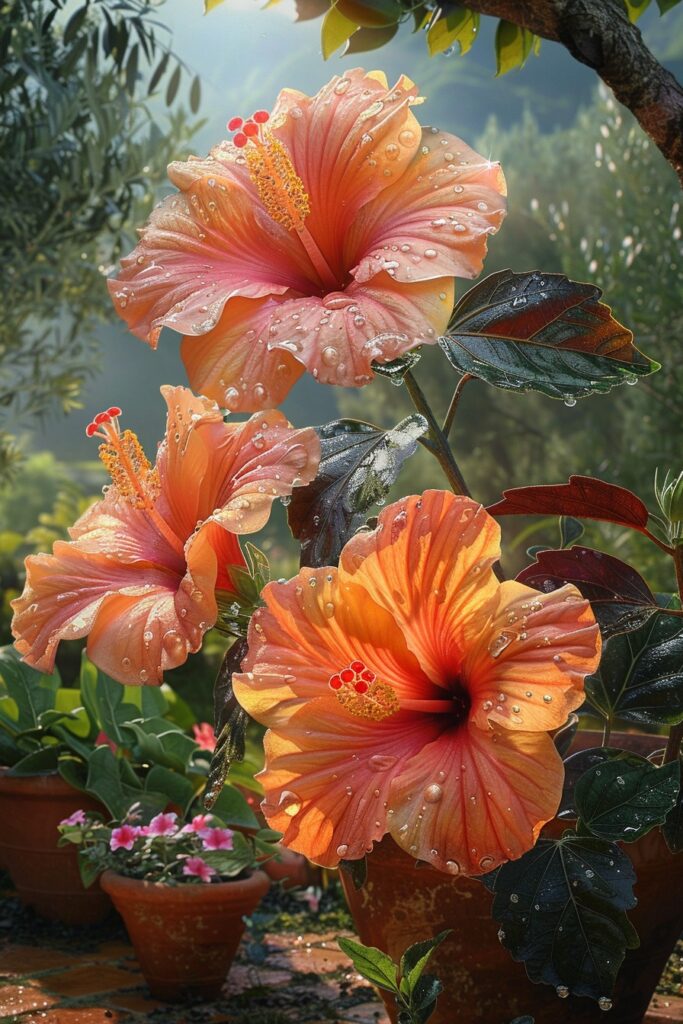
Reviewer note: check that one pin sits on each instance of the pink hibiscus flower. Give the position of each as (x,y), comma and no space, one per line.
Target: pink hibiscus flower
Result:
(199,868)
(204,736)
(323,237)
(140,573)
(217,838)
(123,838)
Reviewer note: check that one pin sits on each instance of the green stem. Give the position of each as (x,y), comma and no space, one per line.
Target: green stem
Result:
(606,732)
(673,745)
(439,445)
(453,407)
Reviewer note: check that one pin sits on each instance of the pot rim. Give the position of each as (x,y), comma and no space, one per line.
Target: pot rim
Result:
(39,784)
(111,881)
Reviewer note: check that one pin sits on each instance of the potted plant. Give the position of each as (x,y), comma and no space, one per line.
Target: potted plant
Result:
(183,890)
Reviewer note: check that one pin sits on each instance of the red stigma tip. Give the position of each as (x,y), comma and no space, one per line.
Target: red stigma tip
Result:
(347,675)
(240,140)
(234,123)
(357,666)
(250,129)
(113,410)
(261,116)
(102,417)
(90,429)
(368,676)
(360,687)
(336,683)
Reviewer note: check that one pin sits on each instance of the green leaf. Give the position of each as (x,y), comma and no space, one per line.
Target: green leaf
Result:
(89,869)
(335,31)
(234,810)
(37,763)
(672,828)
(570,530)
(513,46)
(396,369)
(173,85)
(458,26)
(358,465)
(562,908)
(623,800)
(372,963)
(31,691)
(176,787)
(365,39)
(209,5)
(103,699)
(424,995)
(416,958)
(170,747)
(150,701)
(195,94)
(541,332)
(635,8)
(640,678)
(158,73)
(667,5)
(105,782)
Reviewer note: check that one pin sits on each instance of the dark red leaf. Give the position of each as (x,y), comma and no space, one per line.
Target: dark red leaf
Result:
(583,497)
(619,596)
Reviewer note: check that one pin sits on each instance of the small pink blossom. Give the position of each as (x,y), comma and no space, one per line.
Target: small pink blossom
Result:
(162,825)
(123,838)
(217,838)
(197,866)
(198,823)
(204,735)
(77,818)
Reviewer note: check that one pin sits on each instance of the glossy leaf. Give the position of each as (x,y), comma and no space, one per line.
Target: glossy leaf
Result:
(570,530)
(370,13)
(640,678)
(584,497)
(621,800)
(541,332)
(32,692)
(396,369)
(232,808)
(358,465)
(619,596)
(459,25)
(513,45)
(366,39)
(417,956)
(377,967)
(335,31)
(562,909)
(673,826)
(576,766)
(230,723)
(177,788)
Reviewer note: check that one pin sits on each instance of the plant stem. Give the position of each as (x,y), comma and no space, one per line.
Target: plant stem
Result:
(453,407)
(439,445)
(673,745)
(606,732)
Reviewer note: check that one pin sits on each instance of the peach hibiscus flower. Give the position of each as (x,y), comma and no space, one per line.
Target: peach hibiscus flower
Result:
(140,574)
(410,692)
(324,236)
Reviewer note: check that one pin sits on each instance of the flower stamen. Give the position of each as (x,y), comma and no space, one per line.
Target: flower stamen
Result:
(363,695)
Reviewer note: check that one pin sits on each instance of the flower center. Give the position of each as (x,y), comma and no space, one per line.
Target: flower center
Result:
(360,692)
(279,187)
(135,479)
(460,701)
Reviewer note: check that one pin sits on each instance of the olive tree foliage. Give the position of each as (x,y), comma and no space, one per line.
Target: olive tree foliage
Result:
(80,156)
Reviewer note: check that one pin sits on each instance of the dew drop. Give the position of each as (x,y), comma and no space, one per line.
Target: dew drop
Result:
(289,802)
(382,762)
(604,1003)
(562,991)
(342,850)
(432,794)
(501,642)
(340,88)
(569,401)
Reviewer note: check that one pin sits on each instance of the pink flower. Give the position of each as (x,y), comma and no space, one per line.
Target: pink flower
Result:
(204,736)
(217,838)
(198,867)
(162,825)
(77,818)
(123,838)
(322,237)
(198,823)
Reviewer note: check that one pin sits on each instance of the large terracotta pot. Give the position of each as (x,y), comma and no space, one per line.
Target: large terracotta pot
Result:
(400,905)
(46,875)
(185,936)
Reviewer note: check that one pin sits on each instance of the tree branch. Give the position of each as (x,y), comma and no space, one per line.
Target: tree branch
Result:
(598,33)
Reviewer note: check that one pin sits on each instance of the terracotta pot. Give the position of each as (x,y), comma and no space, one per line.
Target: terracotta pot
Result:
(400,905)
(185,936)
(46,876)
(292,869)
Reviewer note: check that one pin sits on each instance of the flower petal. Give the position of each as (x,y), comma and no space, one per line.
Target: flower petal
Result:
(429,564)
(473,799)
(435,220)
(233,364)
(527,667)
(198,250)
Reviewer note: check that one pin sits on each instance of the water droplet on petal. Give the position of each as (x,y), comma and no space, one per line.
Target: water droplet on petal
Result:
(289,802)
(342,850)
(500,642)
(382,762)
(433,794)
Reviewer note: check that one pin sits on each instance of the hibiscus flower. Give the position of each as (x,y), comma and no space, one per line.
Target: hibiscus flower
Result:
(322,237)
(410,692)
(140,574)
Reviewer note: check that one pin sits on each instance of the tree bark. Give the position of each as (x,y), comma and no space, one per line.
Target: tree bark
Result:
(598,33)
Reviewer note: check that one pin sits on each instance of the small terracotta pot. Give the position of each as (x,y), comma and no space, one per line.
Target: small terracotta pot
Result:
(400,904)
(46,875)
(292,869)
(185,936)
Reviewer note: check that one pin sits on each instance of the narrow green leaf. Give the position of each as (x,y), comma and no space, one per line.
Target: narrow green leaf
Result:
(416,957)
(195,94)
(372,963)
(173,85)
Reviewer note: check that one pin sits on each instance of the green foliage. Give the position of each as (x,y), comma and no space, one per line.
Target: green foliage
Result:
(82,159)
(415,992)
(623,799)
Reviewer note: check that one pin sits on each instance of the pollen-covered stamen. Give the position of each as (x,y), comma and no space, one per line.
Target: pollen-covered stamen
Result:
(363,695)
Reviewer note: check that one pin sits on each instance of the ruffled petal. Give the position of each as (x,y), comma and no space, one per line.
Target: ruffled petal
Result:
(527,667)
(198,250)
(429,563)
(228,472)
(473,799)
(435,220)
(234,365)
(337,338)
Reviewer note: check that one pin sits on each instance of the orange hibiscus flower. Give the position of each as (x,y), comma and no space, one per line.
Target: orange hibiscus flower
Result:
(324,236)
(410,692)
(140,575)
